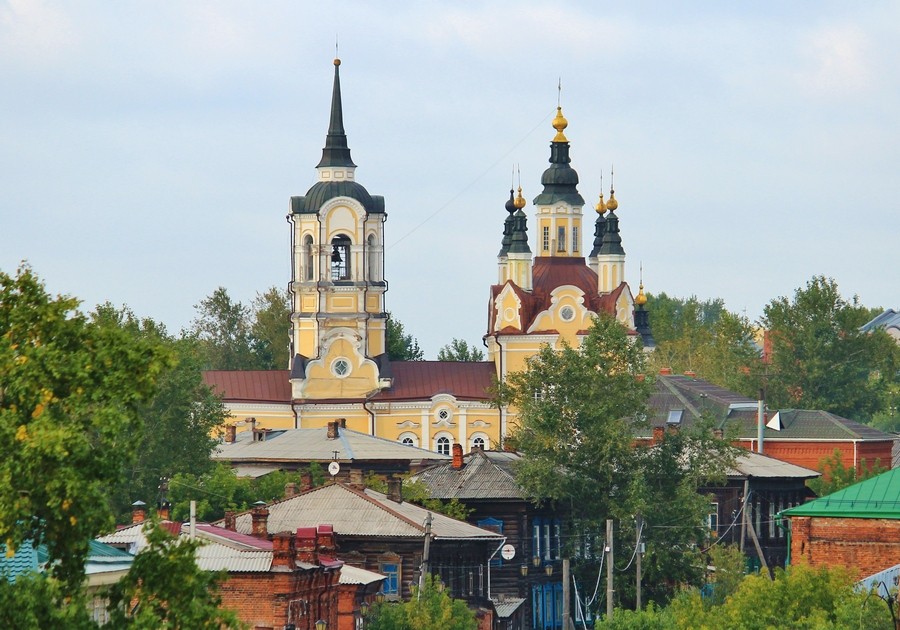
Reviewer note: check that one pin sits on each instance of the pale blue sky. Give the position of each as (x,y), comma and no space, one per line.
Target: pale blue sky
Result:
(148,150)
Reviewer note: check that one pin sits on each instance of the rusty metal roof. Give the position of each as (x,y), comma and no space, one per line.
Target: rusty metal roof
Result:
(484,475)
(421,380)
(360,513)
(269,386)
(307,445)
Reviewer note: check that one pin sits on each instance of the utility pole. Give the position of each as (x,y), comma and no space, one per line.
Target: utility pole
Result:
(637,558)
(609,568)
(566,612)
(425,568)
(744,508)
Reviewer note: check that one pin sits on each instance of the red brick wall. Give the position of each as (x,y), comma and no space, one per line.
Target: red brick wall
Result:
(269,600)
(863,545)
(810,454)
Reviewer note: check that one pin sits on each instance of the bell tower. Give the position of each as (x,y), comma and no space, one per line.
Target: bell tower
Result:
(337,286)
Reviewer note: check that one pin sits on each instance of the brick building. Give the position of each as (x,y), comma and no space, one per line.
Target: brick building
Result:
(857,527)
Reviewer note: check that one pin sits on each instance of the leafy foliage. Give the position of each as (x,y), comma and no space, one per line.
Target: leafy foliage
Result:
(427,609)
(71,392)
(836,476)
(223,329)
(819,357)
(35,601)
(171,591)
(271,328)
(459,350)
(400,345)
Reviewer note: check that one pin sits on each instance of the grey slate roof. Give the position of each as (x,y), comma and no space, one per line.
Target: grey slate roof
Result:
(484,475)
(313,445)
(360,513)
(758,466)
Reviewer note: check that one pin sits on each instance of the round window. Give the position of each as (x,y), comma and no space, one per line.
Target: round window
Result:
(567,313)
(340,367)
(443,414)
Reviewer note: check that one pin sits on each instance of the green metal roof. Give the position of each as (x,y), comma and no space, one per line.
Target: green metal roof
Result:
(878,497)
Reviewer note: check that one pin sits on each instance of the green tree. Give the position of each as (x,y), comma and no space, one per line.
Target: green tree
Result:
(177,425)
(674,318)
(223,328)
(836,476)
(35,601)
(819,357)
(171,591)
(71,392)
(400,345)
(427,609)
(271,328)
(459,350)
(730,564)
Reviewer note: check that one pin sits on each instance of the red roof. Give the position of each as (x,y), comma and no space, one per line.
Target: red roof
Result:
(272,386)
(420,380)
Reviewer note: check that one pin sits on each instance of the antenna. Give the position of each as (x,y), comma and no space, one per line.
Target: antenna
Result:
(559,92)
(612,178)
(519,173)
(512,179)
(336,55)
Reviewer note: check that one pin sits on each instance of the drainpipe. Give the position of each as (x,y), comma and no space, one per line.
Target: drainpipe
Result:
(369,411)
(499,547)
(760,422)
(855,453)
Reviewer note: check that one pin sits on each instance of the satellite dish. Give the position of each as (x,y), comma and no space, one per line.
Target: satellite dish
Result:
(334,468)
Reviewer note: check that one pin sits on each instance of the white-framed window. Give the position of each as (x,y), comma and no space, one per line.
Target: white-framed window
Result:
(309,258)
(567,313)
(545,238)
(712,519)
(409,439)
(479,440)
(340,367)
(574,238)
(442,442)
(443,415)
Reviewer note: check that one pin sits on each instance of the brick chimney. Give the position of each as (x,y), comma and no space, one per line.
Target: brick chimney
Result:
(230,521)
(283,550)
(138,511)
(658,434)
(395,490)
(305,481)
(342,422)
(333,430)
(164,510)
(356,479)
(306,545)
(260,516)
(325,539)
(457,456)
(290,490)
(666,371)
(230,433)
(690,373)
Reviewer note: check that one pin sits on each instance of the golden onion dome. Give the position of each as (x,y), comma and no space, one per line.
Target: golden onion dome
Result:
(337,61)
(601,205)
(520,200)
(560,123)
(641,299)
(612,204)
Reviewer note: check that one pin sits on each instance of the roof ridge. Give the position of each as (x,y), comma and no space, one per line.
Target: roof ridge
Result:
(390,511)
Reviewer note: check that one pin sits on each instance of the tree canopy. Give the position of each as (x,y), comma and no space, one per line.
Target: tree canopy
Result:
(459,350)
(427,609)
(819,358)
(401,346)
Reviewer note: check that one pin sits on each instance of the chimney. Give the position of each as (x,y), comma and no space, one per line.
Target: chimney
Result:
(457,456)
(395,490)
(260,516)
(342,422)
(666,371)
(230,433)
(325,539)
(230,521)
(333,430)
(306,545)
(719,434)
(283,551)
(356,479)
(138,512)
(305,481)
(658,434)
(690,373)
(290,490)
(164,510)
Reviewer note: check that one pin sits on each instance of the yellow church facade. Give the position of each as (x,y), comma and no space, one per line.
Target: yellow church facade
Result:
(340,368)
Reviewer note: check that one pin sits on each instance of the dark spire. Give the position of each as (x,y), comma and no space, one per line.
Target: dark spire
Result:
(508,224)
(519,242)
(560,180)
(600,223)
(612,242)
(336,151)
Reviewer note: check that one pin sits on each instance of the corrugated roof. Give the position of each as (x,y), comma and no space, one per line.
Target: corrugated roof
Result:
(305,445)
(270,386)
(484,475)
(355,513)
(506,607)
(228,538)
(888,319)
(878,497)
(355,575)
(24,559)
(758,466)
(213,556)
(422,380)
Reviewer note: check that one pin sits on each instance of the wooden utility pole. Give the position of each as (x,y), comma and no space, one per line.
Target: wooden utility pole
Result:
(566,612)
(609,568)
(744,508)
(759,551)
(637,558)
(426,567)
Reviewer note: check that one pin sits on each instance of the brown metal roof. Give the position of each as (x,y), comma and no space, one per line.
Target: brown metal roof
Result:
(271,386)
(421,380)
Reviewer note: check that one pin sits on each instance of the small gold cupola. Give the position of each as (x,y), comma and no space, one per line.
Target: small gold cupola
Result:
(601,205)
(560,123)
(641,299)
(520,200)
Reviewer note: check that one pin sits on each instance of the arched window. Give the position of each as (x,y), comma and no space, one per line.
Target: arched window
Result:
(478,442)
(340,258)
(309,257)
(409,439)
(443,445)
(372,257)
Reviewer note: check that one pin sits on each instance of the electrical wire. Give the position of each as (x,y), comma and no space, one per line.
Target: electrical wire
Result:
(636,547)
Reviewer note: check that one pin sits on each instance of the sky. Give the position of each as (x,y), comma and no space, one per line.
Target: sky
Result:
(148,150)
